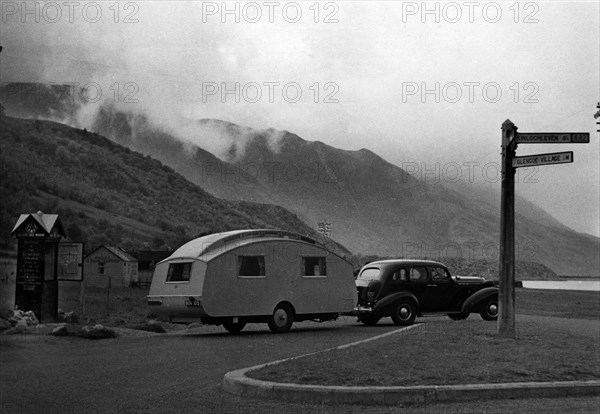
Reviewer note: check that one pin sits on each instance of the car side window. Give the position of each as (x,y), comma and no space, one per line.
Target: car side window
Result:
(399,276)
(439,274)
(418,274)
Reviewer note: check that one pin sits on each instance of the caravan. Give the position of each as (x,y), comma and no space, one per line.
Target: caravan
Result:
(249,276)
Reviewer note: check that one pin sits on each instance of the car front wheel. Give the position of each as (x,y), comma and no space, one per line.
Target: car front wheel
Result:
(404,314)
(490,310)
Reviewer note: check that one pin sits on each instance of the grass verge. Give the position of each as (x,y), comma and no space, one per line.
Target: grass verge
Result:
(559,303)
(445,352)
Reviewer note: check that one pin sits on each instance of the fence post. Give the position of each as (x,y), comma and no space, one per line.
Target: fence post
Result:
(108,298)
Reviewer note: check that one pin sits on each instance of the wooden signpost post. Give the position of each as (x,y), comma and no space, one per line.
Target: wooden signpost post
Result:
(510,162)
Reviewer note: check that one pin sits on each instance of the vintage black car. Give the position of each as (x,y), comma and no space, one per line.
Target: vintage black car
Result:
(405,289)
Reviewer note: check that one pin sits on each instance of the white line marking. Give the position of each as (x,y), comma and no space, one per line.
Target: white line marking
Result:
(362,341)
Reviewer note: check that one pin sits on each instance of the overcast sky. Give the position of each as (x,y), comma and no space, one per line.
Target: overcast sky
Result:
(361,69)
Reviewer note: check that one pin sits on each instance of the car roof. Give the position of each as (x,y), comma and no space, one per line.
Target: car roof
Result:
(393,262)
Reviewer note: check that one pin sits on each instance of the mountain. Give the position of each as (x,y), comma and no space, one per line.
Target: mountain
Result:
(107,194)
(374,207)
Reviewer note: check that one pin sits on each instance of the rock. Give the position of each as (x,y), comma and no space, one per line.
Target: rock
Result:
(31,319)
(60,330)
(17,315)
(28,318)
(68,317)
(97,332)
(4,324)
(18,328)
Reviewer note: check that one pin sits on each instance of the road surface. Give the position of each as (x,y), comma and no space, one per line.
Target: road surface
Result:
(183,372)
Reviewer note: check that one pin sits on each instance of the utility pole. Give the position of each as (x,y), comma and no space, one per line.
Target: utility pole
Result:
(506,294)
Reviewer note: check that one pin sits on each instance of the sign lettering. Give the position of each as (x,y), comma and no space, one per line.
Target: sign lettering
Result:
(543,159)
(553,137)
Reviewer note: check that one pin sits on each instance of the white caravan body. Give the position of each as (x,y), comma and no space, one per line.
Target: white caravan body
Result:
(248,275)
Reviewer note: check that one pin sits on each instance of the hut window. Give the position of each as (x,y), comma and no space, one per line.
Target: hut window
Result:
(314,266)
(101,268)
(251,265)
(179,272)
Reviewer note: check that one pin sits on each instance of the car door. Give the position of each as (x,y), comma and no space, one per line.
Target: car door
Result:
(442,290)
(419,279)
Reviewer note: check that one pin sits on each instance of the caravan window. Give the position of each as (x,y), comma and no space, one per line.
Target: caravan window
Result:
(179,272)
(314,266)
(251,265)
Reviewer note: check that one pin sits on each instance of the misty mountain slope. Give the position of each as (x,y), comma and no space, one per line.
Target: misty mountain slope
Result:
(108,194)
(489,195)
(374,206)
(312,179)
(196,164)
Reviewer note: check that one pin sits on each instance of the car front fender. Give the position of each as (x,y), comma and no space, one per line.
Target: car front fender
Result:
(478,298)
(386,305)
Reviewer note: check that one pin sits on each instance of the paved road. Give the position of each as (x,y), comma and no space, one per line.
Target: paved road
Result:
(183,373)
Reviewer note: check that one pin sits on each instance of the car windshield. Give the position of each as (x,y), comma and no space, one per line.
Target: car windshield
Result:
(368,274)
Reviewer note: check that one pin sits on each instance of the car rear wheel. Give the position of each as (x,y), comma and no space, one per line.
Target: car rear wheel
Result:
(490,310)
(458,316)
(282,319)
(404,314)
(369,320)
(234,327)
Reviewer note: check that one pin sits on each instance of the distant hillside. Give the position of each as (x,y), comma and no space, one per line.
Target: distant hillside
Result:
(374,207)
(107,194)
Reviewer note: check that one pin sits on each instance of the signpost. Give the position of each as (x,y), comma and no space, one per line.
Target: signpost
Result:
(543,159)
(510,162)
(553,138)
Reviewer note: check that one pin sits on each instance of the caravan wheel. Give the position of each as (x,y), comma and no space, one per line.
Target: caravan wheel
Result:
(234,327)
(282,319)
